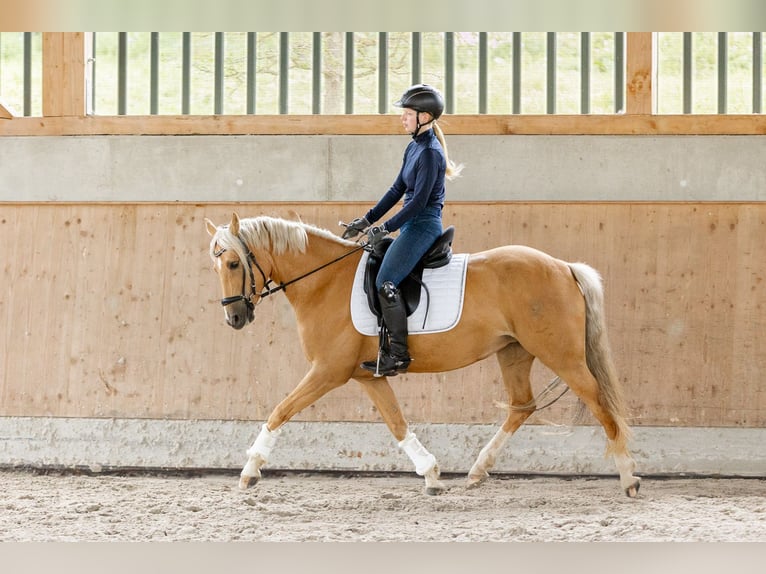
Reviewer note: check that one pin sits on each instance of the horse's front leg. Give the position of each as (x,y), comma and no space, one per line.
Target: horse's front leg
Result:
(314,385)
(258,456)
(382,396)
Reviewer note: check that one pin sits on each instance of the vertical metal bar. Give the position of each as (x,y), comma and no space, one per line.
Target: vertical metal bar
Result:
(316,74)
(516,79)
(186,72)
(382,72)
(27,73)
(284,69)
(154,73)
(417,57)
(723,67)
(218,91)
(584,72)
(550,57)
(449,72)
(93,75)
(122,72)
(483,71)
(349,72)
(619,72)
(757,71)
(688,60)
(252,71)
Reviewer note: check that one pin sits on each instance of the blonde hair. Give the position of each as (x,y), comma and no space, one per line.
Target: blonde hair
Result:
(453,169)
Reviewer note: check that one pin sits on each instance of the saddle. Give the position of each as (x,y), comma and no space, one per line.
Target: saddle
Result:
(438,255)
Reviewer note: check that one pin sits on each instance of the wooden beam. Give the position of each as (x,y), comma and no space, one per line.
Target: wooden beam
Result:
(63,74)
(639,73)
(623,124)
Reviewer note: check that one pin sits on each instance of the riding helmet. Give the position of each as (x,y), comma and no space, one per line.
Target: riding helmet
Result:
(422,98)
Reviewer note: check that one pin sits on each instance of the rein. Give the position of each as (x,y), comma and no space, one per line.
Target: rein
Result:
(266,291)
(282,286)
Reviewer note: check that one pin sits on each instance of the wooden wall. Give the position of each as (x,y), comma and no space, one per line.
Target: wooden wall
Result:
(111,310)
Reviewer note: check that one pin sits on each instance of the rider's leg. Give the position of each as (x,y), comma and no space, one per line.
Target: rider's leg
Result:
(396,358)
(414,240)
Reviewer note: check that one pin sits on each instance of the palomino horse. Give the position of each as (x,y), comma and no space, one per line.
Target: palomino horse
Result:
(519,304)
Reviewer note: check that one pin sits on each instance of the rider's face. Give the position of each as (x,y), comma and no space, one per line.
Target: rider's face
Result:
(410,119)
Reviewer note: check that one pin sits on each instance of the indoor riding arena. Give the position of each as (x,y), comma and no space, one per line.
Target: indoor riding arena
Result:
(128,405)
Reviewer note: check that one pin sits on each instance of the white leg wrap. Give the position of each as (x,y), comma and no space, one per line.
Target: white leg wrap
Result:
(423,460)
(264,443)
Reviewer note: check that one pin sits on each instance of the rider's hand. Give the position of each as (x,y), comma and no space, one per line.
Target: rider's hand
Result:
(356,227)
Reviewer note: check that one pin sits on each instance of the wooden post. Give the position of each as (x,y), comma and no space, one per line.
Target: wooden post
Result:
(64,74)
(639,73)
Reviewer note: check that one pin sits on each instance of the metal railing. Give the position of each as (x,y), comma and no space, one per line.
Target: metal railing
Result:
(712,72)
(347,73)
(20,71)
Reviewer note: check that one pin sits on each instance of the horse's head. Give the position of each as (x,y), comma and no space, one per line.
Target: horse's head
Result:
(234,262)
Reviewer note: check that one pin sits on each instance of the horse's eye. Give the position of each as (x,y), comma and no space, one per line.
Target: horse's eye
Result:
(233,264)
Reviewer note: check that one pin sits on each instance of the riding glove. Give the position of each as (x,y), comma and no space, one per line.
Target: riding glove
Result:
(356,227)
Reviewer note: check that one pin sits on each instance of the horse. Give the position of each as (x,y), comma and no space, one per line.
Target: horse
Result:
(520,304)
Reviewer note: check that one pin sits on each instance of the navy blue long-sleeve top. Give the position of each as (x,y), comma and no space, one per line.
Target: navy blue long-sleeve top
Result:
(420,181)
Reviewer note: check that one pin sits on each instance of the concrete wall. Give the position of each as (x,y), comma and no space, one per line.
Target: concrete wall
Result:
(360,168)
(292,169)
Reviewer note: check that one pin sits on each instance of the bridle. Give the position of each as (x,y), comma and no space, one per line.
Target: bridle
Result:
(242,297)
(266,291)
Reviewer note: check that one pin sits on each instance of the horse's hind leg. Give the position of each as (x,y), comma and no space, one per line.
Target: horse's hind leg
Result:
(515,363)
(586,387)
(382,396)
(589,371)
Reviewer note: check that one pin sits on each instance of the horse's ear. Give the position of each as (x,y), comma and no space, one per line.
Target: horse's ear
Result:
(234,225)
(295,215)
(211,228)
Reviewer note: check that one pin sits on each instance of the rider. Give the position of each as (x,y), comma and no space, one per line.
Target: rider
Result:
(421,182)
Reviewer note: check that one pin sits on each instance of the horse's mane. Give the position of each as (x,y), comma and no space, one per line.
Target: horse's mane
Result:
(271,233)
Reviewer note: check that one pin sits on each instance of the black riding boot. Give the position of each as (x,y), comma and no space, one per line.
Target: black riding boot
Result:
(396,358)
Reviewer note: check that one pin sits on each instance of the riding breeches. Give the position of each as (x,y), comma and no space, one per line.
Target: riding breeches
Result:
(415,238)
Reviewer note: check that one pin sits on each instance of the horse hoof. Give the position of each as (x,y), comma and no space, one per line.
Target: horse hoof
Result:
(246,482)
(435,490)
(632,490)
(475,481)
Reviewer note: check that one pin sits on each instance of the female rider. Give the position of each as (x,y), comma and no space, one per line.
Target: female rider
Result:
(421,183)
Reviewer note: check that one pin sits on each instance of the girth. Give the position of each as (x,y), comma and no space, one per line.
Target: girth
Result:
(438,255)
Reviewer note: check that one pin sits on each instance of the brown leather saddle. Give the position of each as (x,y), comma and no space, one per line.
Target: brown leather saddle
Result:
(438,255)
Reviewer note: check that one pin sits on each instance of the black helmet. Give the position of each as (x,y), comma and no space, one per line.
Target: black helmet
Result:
(422,98)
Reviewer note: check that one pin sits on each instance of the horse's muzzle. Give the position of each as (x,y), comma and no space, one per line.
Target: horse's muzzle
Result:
(239,311)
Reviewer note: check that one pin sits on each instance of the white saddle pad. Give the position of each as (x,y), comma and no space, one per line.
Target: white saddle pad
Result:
(446,287)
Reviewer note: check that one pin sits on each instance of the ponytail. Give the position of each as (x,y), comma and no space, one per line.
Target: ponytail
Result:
(453,170)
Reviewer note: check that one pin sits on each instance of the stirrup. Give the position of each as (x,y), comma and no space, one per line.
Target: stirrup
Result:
(387,365)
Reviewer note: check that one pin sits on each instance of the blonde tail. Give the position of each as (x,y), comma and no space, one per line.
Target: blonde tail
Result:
(598,354)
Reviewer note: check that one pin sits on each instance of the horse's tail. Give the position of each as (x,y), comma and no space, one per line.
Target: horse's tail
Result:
(598,355)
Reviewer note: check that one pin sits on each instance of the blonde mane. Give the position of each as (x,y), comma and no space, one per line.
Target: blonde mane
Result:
(270,233)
